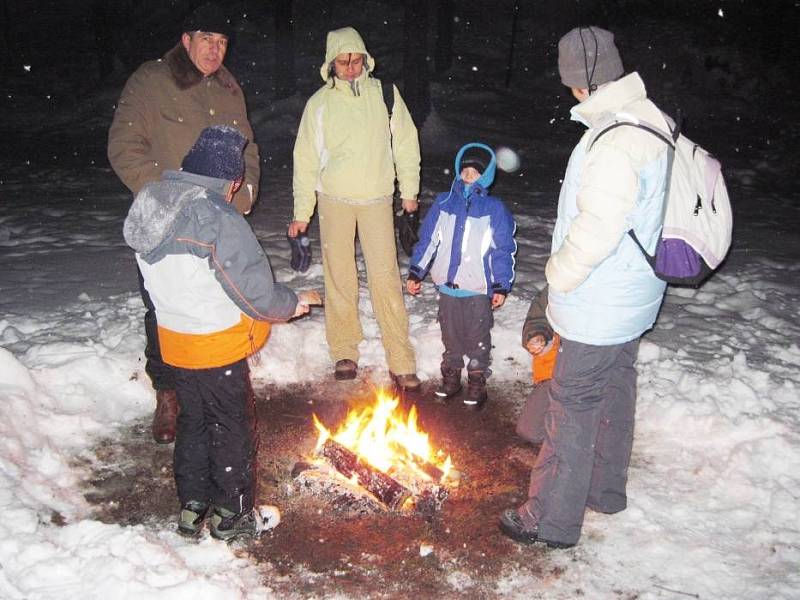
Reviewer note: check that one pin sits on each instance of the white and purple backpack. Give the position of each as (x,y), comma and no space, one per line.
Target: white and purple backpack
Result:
(698,221)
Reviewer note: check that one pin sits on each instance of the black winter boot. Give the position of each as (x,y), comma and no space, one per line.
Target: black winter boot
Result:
(476,390)
(192,516)
(227,525)
(451,384)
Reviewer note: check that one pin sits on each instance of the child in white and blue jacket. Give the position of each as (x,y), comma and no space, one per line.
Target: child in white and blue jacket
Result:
(467,243)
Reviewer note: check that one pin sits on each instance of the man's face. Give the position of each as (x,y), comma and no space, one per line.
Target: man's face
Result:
(206,49)
(348,66)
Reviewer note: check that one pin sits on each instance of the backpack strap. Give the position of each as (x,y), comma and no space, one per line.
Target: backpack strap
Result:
(670,141)
(644,126)
(387,88)
(651,260)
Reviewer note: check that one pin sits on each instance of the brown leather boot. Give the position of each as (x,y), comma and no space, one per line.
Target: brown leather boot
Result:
(345,369)
(408,382)
(165,417)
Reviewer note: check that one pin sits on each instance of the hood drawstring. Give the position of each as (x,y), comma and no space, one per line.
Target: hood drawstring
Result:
(354,87)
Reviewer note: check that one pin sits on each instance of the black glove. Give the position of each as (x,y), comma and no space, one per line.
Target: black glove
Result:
(301,252)
(407,227)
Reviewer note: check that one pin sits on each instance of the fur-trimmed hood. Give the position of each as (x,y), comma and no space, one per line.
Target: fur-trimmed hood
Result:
(187,75)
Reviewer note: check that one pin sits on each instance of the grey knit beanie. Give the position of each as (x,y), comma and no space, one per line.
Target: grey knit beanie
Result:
(587,56)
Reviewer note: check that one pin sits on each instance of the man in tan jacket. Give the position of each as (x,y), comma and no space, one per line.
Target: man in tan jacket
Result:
(347,156)
(163,108)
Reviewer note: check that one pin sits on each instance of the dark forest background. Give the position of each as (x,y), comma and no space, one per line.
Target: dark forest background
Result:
(710,59)
(90,43)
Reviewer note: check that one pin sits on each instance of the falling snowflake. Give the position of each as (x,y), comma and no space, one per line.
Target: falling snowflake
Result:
(720,13)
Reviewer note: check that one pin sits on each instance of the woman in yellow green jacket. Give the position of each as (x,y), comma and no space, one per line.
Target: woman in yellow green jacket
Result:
(348,153)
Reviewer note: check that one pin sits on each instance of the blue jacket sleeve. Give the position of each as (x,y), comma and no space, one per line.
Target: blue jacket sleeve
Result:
(503,249)
(425,248)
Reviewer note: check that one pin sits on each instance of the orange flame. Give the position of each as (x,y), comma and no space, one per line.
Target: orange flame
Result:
(381,436)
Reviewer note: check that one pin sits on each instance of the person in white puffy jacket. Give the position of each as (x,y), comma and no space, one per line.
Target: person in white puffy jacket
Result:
(603,295)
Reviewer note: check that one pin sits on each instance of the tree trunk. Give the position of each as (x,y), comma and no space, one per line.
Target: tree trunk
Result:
(102,29)
(443,58)
(416,85)
(283,56)
(5,38)
(510,62)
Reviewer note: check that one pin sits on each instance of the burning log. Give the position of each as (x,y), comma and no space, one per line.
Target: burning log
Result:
(429,469)
(382,486)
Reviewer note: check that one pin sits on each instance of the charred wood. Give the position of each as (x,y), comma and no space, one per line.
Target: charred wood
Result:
(379,484)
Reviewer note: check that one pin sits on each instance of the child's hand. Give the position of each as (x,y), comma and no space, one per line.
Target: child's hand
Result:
(305,300)
(413,287)
(309,298)
(498,300)
(300,310)
(536,344)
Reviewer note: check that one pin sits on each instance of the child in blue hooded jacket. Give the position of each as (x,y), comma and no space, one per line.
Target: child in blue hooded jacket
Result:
(467,243)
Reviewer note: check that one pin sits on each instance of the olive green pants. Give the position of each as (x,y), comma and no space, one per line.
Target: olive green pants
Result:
(339,220)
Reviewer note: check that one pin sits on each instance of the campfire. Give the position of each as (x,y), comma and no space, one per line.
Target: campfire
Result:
(382,452)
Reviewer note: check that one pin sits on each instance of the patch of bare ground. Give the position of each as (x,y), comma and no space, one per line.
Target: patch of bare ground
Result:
(327,546)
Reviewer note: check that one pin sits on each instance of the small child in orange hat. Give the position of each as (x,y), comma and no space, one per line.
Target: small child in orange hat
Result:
(539,339)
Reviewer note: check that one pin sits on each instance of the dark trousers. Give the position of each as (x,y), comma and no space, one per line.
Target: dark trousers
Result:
(215,444)
(160,373)
(530,424)
(466,325)
(584,459)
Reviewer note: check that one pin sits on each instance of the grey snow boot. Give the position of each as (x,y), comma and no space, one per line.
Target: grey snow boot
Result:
(193,514)
(476,395)
(451,384)
(227,525)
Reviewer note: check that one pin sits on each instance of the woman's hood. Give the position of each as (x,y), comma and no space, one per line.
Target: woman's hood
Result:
(344,41)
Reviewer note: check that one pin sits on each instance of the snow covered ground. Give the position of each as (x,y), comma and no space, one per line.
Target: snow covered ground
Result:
(715,478)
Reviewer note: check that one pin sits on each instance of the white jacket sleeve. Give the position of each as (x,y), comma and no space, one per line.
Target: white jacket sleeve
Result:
(606,196)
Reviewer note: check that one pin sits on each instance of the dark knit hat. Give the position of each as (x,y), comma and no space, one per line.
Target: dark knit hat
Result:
(217,153)
(208,17)
(475,158)
(588,57)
